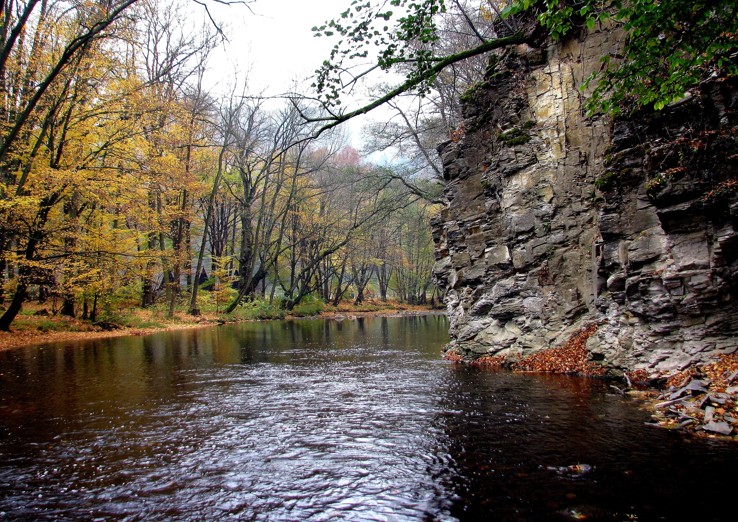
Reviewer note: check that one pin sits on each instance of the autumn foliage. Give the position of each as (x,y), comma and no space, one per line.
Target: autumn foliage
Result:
(571,357)
(719,371)
(126,182)
(493,362)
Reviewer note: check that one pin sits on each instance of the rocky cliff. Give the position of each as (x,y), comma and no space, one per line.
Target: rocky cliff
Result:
(556,222)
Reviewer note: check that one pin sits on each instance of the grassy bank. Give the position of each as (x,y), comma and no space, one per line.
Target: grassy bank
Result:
(37,324)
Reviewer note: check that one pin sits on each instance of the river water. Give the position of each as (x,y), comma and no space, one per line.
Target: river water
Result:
(328,420)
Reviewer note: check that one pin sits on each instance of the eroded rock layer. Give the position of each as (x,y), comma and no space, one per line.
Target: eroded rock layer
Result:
(556,221)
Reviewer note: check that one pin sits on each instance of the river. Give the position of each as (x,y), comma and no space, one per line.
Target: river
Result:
(330,420)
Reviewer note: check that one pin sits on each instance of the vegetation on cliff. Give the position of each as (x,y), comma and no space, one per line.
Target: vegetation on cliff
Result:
(672,45)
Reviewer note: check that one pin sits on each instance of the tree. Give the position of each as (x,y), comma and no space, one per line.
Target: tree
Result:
(420,123)
(672,46)
(412,275)
(89,131)
(47,85)
(229,113)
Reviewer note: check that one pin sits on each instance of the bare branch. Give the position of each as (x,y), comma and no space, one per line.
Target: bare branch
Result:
(469,21)
(489,45)
(212,20)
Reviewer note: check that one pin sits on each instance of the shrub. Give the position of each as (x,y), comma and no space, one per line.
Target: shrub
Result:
(308,306)
(724,191)
(260,309)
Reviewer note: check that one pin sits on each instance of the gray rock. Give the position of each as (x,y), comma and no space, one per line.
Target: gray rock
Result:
(721,428)
(528,238)
(694,387)
(697,386)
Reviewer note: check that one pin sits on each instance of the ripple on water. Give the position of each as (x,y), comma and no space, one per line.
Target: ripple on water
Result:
(361,423)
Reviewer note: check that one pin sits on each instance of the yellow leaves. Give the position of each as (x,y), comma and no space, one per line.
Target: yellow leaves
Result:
(19,205)
(489,14)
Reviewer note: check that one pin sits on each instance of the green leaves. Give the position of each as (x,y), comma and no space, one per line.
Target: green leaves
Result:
(405,35)
(517,7)
(672,45)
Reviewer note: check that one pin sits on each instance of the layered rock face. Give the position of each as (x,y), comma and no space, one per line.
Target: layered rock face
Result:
(556,221)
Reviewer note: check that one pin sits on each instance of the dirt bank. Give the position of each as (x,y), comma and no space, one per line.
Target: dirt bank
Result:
(42,329)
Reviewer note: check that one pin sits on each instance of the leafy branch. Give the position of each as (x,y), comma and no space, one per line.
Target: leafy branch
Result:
(336,118)
(672,45)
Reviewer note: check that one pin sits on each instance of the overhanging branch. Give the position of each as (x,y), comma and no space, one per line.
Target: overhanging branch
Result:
(489,45)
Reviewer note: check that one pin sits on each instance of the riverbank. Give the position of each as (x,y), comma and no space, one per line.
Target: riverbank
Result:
(701,400)
(37,326)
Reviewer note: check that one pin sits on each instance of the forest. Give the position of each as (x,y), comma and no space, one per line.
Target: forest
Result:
(126,182)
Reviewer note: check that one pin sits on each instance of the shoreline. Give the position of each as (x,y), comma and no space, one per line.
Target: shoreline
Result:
(699,401)
(24,338)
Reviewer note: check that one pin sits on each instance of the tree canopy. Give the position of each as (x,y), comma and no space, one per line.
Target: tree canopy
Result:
(672,45)
(126,182)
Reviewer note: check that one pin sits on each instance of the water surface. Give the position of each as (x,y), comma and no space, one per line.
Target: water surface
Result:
(326,420)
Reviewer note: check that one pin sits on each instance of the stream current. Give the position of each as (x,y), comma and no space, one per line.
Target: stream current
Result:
(331,420)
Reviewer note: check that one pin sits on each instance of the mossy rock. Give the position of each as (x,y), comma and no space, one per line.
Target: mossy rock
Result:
(471,93)
(515,136)
(607,181)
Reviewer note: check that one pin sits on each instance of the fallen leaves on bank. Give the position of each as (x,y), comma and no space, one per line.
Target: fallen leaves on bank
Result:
(454,357)
(493,362)
(19,339)
(701,399)
(570,358)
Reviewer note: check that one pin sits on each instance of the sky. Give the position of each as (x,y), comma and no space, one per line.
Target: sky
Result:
(273,41)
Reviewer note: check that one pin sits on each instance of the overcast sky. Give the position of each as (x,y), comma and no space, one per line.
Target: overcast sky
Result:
(273,41)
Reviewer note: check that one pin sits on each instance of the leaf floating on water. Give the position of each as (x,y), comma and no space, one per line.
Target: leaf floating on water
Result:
(574,469)
(575,514)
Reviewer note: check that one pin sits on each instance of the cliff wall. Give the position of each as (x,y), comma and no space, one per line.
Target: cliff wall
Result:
(556,221)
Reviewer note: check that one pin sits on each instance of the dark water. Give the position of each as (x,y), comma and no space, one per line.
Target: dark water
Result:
(314,420)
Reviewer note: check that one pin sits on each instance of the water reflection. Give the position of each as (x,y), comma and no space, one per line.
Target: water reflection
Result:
(511,444)
(323,420)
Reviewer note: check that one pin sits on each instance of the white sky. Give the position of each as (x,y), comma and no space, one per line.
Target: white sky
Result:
(273,42)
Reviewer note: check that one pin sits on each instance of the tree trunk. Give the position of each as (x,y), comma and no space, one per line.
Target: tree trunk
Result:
(194,310)
(93,314)
(148,296)
(14,307)
(178,241)
(24,272)
(340,292)
(359,296)
(3,267)
(67,307)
